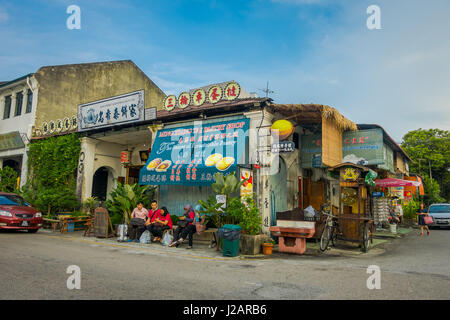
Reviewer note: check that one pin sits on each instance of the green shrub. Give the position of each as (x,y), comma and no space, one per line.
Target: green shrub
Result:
(251,218)
(410,209)
(8,179)
(124,198)
(52,165)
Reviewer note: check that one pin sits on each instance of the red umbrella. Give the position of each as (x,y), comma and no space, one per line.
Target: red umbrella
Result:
(390,182)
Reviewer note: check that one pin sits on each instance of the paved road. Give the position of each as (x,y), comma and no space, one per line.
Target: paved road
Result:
(33,266)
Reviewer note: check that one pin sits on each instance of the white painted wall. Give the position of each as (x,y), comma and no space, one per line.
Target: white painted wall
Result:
(23,123)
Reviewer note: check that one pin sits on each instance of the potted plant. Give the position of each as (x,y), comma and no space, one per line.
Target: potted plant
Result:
(251,224)
(268,246)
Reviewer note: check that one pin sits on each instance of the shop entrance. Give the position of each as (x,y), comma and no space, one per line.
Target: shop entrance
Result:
(278,186)
(100,183)
(13,164)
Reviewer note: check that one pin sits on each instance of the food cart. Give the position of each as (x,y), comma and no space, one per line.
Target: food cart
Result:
(354,220)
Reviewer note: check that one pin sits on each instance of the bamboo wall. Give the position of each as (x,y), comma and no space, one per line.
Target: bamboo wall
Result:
(331,143)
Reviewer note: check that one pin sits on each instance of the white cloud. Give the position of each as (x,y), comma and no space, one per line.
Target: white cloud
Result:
(4,17)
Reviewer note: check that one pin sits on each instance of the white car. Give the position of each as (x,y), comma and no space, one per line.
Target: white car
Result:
(440,212)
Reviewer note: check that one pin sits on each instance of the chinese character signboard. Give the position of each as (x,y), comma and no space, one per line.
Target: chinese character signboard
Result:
(284,146)
(122,109)
(311,151)
(214,94)
(191,155)
(363,147)
(11,140)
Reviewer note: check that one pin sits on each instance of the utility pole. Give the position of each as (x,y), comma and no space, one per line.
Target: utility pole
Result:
(429,165)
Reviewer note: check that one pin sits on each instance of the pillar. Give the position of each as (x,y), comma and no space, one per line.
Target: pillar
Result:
(259,152)
(85,170)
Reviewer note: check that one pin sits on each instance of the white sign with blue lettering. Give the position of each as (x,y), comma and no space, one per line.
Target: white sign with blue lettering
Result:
(112,111)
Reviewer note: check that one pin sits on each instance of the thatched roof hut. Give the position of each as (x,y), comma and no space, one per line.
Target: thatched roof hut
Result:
(314,113)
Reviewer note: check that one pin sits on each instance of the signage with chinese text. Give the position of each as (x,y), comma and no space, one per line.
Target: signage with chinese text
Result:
(117,110)
(363,147)
(284,146)
(191,155)
(11,140)
(230,91)
(311,151)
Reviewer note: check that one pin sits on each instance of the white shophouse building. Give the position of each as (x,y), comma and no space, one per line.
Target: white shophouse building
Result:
(18,100)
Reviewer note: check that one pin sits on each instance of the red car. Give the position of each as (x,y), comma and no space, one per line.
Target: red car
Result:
(17,214)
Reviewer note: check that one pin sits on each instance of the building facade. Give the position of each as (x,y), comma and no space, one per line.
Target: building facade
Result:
(18,100)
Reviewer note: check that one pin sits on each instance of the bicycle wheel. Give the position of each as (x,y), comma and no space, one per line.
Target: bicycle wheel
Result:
(325,238)
(366,238)
(334,237)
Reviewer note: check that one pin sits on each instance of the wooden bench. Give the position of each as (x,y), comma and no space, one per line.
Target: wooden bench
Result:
(211,231)
(67,220)
(54,223)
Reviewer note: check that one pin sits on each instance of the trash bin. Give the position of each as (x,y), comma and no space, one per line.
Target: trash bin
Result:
(230,234)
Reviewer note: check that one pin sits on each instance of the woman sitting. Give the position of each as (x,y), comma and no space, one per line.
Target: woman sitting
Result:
(185,228)
(162,222)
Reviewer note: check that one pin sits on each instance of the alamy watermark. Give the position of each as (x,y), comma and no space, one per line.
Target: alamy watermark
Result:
(74,281)
(374,281)
(374,20)
(74,20)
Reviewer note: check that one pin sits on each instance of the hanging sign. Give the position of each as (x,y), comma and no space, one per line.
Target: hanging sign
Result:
(350,174)
(127,108)
(282,129)
(283,147)
(125,157)
(247,186)
(222,198)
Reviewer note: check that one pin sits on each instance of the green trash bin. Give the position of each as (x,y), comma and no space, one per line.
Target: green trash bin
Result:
(231,234)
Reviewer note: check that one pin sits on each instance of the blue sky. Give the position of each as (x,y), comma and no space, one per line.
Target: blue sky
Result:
(310,51)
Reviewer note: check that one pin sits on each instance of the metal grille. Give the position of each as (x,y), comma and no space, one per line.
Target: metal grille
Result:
(24,215)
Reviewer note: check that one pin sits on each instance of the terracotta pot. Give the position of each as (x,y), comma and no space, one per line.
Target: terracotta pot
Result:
(267,248)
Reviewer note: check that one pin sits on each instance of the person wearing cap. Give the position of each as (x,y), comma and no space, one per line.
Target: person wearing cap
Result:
(186,227)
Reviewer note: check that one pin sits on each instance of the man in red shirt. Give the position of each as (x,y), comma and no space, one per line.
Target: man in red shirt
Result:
(153,214)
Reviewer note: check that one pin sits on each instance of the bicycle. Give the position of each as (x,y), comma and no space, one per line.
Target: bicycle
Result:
(330,231)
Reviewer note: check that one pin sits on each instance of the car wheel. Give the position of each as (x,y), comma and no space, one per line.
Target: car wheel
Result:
(32,230)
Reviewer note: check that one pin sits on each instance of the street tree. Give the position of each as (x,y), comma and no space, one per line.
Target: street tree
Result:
(430,154)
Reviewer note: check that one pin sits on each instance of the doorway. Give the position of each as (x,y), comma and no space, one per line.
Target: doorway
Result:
(100,184)
(278,186)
